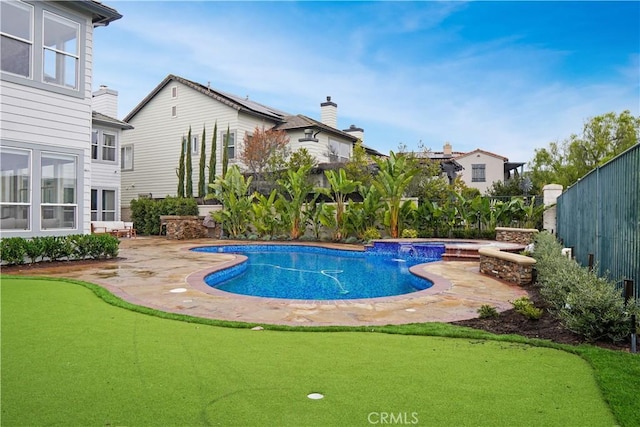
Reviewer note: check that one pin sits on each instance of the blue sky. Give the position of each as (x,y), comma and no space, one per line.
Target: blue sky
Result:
(506,77)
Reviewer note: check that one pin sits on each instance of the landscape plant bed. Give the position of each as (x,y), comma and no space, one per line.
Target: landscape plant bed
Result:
(547,327)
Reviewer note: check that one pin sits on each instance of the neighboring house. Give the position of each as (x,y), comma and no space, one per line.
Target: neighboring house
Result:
(46,115)
(151,151)
(105,156)
(477,169)
(482,169)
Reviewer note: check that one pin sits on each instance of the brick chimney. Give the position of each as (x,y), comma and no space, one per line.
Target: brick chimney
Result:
(447,149)
(329,113)
(105,101)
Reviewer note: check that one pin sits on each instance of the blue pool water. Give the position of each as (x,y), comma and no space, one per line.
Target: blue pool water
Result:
(313,273)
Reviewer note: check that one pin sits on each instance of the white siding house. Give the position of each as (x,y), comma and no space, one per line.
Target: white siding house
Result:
(151,151)
(105,156)
(45,115)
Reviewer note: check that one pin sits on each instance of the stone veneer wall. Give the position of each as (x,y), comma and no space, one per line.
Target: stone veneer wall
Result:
(510,267)
(523,236)
(184,227)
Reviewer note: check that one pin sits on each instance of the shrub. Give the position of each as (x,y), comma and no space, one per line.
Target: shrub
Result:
(53,247)
(12,250)
(34,248)
(525,307)
(596,310)
(371,233)
(146,213)
(487,311)
(409,233)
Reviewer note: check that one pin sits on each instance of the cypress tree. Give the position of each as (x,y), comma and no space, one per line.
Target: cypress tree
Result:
(189,168)
(225,153)
(203,163)
(181,170)
(212,159)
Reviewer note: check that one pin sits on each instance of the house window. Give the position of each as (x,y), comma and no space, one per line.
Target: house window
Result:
(194,144)
(174,92)
(59,184)
(16,29)
(339,151)
(231,146)
(42,47)
(103,146)
(103,205)
(60,50)
(126,158)
(174,111)
(478,173)
(15,196)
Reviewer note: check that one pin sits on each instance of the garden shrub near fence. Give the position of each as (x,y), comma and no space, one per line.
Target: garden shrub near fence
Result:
(145,213)
(588,305)
(18,250)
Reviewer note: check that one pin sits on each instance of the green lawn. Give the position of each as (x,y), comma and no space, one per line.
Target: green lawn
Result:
(68,358)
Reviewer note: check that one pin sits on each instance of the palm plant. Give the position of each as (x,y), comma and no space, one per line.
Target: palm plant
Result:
(265,217)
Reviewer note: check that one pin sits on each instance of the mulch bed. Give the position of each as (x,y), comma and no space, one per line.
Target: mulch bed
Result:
(547,327)
(508,322)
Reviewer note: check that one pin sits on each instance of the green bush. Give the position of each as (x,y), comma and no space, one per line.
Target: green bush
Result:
(409,233)
(370,234)
(12,250)
(525,307)
(486,311)
(146,213)
(588,305)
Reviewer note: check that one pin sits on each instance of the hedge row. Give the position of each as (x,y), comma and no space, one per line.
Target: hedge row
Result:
(18,250)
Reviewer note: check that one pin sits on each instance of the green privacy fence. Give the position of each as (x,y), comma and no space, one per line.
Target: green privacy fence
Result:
(600,215)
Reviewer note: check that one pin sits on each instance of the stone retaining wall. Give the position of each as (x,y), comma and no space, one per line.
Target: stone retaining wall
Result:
(510,267)
(183,227)
(523,236)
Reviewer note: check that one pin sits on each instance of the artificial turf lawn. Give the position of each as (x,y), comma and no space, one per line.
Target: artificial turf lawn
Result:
(70,359)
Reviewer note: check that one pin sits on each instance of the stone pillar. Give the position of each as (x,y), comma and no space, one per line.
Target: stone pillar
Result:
(550,194)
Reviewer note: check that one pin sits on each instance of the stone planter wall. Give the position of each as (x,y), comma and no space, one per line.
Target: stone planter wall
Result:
(183,227)
(523,236)
(510,267)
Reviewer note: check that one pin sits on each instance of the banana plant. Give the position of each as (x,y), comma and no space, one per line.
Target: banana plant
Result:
(296,189)
(265,216)
(395,175)
(232,191)
(341,187)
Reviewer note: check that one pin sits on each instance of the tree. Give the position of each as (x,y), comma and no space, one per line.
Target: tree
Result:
(301,157)
(396,173)
(180,171)
(225,152)
(603,137)
(358,168)
(188,168)
(212,158)
(202,185)
(264,151)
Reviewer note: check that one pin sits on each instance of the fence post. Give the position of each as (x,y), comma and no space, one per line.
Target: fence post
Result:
(628,294)
(591,263)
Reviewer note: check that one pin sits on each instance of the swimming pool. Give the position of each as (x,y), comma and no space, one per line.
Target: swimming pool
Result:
(315,273)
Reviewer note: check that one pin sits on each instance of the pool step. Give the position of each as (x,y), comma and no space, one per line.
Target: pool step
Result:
(459,254)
